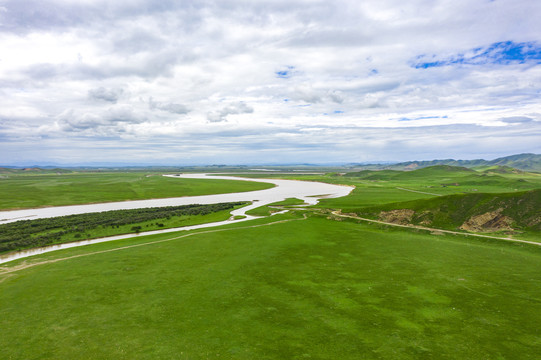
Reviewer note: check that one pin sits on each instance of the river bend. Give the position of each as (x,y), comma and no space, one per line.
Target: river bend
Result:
(308,191)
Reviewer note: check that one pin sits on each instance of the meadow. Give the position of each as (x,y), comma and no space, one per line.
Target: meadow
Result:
(373,188)
(300,285)
(38,190)
(314,288)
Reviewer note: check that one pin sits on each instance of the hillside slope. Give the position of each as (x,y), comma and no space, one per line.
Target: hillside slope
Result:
(480,212)
(446,175)
(430,171)
(525,162)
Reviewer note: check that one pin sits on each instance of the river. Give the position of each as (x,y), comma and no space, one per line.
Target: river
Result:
(308,191)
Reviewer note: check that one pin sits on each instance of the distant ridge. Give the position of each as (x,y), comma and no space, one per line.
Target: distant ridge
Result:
(509,164)
(524,162)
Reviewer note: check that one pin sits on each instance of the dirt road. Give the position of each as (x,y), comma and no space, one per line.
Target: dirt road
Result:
(338,213)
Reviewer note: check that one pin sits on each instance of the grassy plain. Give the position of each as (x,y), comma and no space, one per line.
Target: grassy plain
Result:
(30,191)
(373,188)
(314,288)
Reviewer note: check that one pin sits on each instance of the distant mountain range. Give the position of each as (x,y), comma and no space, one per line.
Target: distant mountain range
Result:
(524,162)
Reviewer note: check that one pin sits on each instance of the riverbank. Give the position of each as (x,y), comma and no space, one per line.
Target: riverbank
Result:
(309,192)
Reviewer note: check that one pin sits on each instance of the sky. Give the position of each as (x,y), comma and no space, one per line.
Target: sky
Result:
(146,82)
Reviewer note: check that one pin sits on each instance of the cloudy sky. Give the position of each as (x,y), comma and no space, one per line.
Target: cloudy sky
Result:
(267,81)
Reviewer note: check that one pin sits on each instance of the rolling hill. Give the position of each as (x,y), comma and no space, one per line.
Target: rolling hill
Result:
(525,162)
(482,212)
(447,175)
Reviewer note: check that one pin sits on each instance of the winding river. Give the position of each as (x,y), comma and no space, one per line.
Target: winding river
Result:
(308,191)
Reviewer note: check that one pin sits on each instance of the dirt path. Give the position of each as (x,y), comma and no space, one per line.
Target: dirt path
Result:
(338,213)
(25,265)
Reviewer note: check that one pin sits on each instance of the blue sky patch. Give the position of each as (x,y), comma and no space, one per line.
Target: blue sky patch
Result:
(286,73)
(500,53)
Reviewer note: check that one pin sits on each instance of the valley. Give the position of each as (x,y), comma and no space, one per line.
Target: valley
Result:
(389,271)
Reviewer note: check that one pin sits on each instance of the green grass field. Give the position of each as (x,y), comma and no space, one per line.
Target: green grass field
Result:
(286,287)
(373,188)
(314,288)
(30,191)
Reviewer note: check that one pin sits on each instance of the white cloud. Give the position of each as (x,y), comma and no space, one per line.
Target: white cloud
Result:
(232,109)
(173,108)
(103,94)
(109,122)
(272,71)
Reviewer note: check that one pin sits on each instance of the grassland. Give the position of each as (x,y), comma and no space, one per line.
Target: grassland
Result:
(374,188)
(481,212)
(312,288)
(30,191)
(299,285)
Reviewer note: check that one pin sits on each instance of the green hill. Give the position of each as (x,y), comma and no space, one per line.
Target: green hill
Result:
(481,212)
(412,165)
(374,174)
(437,171)
(446,175)
(525,162)
(450,175)
(427,172)
(498,169)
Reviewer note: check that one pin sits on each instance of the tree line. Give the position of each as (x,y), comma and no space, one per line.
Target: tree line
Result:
(25,234)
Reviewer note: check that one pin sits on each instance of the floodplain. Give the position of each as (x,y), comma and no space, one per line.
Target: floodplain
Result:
(41,190)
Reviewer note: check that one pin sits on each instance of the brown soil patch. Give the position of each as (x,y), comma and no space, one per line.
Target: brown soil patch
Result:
(425,218)
(401,216)
(488,222)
